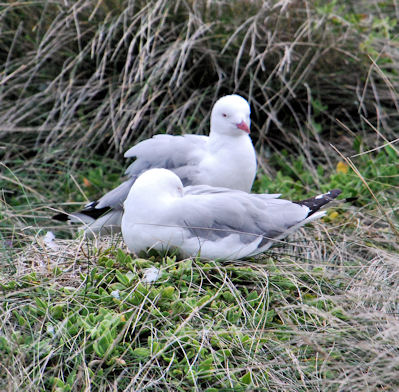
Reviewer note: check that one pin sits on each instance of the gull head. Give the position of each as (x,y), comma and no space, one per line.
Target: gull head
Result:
(231,116)
(154,184)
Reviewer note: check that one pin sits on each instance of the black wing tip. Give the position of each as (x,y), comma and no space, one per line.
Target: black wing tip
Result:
(90,206)
(61,217)
(90,210)
(351,199)
(316,202)
(333,193)
(94,212)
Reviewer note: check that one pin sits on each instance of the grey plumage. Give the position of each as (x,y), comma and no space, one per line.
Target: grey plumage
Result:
(225,158)
(217,222)
(181,154)
(231,211)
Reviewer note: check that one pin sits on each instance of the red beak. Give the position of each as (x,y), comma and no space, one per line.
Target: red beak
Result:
(243,125)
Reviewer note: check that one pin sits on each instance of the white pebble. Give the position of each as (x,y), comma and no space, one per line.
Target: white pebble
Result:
(151,275)
(49,240)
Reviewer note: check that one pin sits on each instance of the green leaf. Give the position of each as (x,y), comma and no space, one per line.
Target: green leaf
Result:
(21,320)
(57,312)
(101,345)
(141,353)
(4,346)
(203,300)
(109,263)
(252,296)
(206,365)
(142,263)
(246,378)
(167,292)
(228,297)
(57,383)
(122,278)
(122,257)
(40,303)
(391,152)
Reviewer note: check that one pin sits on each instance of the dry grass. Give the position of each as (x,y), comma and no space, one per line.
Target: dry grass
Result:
(97,76)
(333,295)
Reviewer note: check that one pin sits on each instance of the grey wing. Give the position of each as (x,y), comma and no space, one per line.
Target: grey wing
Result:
(207,189)
(105,214)
(114,199)
(221,214)
(177,153)
(181,154)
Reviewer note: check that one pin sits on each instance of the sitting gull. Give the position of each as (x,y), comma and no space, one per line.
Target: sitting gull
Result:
(215,223)
(225,158)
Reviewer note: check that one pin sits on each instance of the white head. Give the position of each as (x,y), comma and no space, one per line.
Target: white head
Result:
(155,183)
(231,116)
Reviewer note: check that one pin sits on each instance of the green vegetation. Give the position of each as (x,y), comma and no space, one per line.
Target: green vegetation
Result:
(82,81)
(209,325)
(379,170)
(200,325)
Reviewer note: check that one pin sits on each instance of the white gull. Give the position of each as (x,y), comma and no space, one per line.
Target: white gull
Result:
(225,158)
(216,223)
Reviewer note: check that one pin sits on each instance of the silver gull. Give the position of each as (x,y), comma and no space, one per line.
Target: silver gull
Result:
(225,158)
(216,223)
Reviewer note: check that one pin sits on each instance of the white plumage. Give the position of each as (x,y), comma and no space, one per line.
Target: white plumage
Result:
(214,222)
(225,158)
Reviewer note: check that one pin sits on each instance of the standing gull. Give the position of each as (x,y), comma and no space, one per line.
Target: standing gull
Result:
(217,223)
(225,158)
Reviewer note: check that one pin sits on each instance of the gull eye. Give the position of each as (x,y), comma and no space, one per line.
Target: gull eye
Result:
(224,114)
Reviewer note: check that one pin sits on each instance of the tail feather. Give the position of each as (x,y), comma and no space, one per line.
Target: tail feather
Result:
(315,203)
(75,217)
(90,211)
